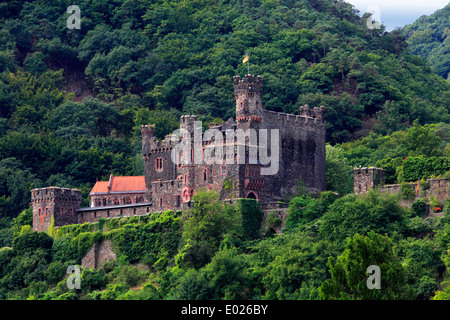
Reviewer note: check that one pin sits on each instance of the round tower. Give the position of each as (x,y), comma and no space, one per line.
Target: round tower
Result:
(248,95)
(147,134)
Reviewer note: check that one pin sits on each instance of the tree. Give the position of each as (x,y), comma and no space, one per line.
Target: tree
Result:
(204,227)
(339,173)
(360,214)
(349,271)
(421,140)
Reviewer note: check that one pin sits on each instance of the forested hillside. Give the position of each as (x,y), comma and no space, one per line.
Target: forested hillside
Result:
(72,102)
(429,37)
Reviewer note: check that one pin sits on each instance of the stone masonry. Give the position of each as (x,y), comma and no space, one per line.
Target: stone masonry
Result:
(170,185)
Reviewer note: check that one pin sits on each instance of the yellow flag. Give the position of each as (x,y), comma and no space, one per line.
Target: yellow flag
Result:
(245,59)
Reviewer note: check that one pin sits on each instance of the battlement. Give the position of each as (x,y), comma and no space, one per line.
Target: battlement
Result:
(55,194)
(249,83)
(148,129)
(188,118)
(303,121)
(315,112)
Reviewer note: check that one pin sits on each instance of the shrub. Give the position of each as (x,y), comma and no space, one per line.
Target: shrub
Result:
(419,208)
(406,191)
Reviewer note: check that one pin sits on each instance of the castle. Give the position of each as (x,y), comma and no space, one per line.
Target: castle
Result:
(242,168)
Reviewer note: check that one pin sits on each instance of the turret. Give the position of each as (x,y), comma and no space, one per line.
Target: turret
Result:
(248,95)
(367,178)
(148,135)
(53,203)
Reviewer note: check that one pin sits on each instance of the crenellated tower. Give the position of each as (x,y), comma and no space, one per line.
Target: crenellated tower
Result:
(367,178)
(54,203)
(248,93)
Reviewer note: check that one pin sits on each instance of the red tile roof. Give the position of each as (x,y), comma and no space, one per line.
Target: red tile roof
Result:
(120,184)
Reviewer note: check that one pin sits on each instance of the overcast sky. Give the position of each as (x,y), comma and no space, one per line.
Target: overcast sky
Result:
(398,13)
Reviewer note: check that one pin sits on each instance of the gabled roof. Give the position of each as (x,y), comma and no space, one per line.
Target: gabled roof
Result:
(125,184)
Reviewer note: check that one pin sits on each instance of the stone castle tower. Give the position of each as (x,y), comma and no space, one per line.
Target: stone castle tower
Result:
(367,178)
(248,95)
(57,203)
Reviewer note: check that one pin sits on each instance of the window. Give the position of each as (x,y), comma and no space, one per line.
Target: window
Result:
(223,170)
(71,212)
(39,212)
(178,201)
(62,211)
(160,202)
(257,105)
(205,175)
(159,164)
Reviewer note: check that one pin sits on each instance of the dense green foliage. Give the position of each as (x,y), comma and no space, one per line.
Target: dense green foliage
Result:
(323,253)
(72,103)
(429,37)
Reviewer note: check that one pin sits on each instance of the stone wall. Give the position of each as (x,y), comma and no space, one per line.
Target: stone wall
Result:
(435,189)
(93,214)
(99,254)
(302,153)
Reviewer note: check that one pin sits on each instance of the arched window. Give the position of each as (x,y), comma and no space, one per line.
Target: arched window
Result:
(159,164)
(39,212)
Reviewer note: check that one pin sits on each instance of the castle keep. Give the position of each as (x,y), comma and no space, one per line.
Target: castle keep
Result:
(297,140)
